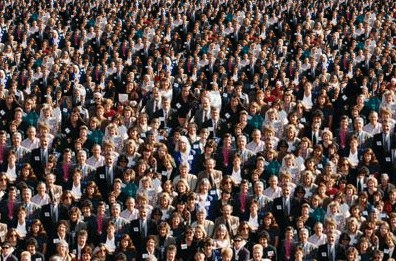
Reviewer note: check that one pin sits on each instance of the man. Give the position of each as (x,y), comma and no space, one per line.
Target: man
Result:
(120,222)
(215,125)
(167,115)
(208,225)
(383,145)
(87,171)
(364,138)
(331,251)
(242,199)
(247,155)
(231,222)
(309,248)
(203,113)
(51,213)
(6,253)
(140,228)
(106,174)
(285,208)
(32,208)
(214,176)
(53,190)
(257,144)
(241,253)
(39,156)
(21,152)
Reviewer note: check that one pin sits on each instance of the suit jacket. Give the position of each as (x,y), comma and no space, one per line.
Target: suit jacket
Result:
(384,157)
(309,250)
(214,132)
(170,122)
(150,107)
(323,255)
(36,162)
(234,224)
(88,172)
(208,225)
(135,233)
(243,254)
(48,220)
(281,217)
(270,252)
(22,154)
(101,179)
(215,178)
(121,225)
(198,117)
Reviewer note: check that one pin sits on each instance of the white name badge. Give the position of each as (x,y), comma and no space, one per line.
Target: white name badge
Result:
(324,254)
(47,214)
(136,229)
(102,176)
(279,207)
(183,246)
(37,158)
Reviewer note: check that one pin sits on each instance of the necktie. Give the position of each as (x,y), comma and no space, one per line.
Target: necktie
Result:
(143,228)
(314,138)
(386,142)
(109,175)
(331,253)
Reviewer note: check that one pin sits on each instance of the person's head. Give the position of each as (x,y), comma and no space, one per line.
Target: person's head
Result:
(226,254)
(171,252)
(257,252)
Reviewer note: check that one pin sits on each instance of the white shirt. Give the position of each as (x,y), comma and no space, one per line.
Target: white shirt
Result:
(256,147)
(373,129)
(273,193)
(21,229)
(11,173)
(317,240)
(95,162)
(31,144)
(76,191)
(110,243)
(41,201)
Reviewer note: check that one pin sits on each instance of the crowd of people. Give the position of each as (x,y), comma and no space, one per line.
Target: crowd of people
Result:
(197,130)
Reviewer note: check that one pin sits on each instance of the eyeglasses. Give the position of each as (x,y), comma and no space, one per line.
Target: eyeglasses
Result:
(237,240)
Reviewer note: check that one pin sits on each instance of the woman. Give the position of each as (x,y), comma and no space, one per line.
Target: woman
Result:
(75,224)
(318,212)
(187,245)
(352,229)
(271,227)
(61,233)
(370,161)
(221,237)
(165,205)
(92,193)
(183,152)
(164,238)
(26,176)
(150,249)
(21,223)
(364,249)
(38,232)
(126,247)
(10,167)
(372,188)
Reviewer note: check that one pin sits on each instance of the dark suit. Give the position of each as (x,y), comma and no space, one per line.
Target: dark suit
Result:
(36,161)
(282,218)
(102,179)
(323,253)
(214,131)
(243,254)
(136,235)
(170,121)
(383,155)
(49,220)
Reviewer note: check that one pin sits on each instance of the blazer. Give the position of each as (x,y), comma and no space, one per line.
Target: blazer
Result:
(243,254)
(215,177)
(279,212)
(208,226)
(384,157)
(309,250)
(49,222)
(234,223)
(322,253)
(135,233)
(36,161)
(101,179)
(170,122)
